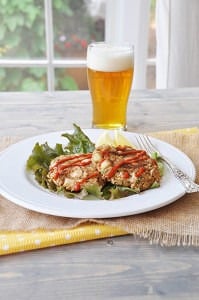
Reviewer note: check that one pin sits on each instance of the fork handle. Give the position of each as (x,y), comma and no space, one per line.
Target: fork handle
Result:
(189,185)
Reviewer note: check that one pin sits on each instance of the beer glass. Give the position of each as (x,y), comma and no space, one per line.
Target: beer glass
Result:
(110,71)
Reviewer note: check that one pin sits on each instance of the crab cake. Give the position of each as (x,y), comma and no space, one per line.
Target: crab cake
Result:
(73,172)
(126,166)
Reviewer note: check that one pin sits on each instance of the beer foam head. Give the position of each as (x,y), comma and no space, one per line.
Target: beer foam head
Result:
(109,58)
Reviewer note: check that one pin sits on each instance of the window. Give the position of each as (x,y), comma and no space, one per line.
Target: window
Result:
(43,42)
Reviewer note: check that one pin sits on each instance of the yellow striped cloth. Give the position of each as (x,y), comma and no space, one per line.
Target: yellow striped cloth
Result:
(12,242)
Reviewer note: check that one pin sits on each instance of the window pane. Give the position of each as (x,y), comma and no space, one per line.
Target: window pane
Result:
(71,79)
(76,23)
(30,79)
(22,29)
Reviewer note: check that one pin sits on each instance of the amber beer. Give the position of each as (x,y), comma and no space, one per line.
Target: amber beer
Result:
(110,73)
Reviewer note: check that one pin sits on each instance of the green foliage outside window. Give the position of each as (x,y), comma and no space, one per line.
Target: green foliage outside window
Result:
(22,35)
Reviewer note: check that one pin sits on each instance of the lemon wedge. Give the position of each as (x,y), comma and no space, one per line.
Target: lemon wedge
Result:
(118,139)
(121,140)
(105,139)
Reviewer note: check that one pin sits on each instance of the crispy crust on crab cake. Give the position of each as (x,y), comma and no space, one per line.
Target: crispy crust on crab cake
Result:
(126,166)
(73,172)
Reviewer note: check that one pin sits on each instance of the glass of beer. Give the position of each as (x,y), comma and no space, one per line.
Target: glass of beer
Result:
(110,71)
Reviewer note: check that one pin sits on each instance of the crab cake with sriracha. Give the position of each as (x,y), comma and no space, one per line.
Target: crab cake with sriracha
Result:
(74,172)
(126,166)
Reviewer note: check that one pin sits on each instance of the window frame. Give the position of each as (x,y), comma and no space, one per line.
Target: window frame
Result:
(118,19)
(50,63)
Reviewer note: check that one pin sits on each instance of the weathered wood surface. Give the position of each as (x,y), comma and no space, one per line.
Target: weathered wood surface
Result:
(119,268)
(29,114)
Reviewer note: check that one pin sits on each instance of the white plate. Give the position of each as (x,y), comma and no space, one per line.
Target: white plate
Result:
(19,187)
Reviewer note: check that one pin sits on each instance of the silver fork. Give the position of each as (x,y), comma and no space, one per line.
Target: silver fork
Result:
(145,143)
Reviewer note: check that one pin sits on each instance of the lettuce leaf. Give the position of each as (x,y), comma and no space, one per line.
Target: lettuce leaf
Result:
(39,161)
(42,154)
(78,142)
(157,157)
(94,189)
(111,191)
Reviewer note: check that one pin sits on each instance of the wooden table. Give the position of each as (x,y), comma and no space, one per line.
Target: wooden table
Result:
(118,268)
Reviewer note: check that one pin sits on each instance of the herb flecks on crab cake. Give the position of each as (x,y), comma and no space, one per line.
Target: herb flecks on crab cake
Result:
(126,166)
(74,172)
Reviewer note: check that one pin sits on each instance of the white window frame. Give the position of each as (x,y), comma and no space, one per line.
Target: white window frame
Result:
(121,23)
